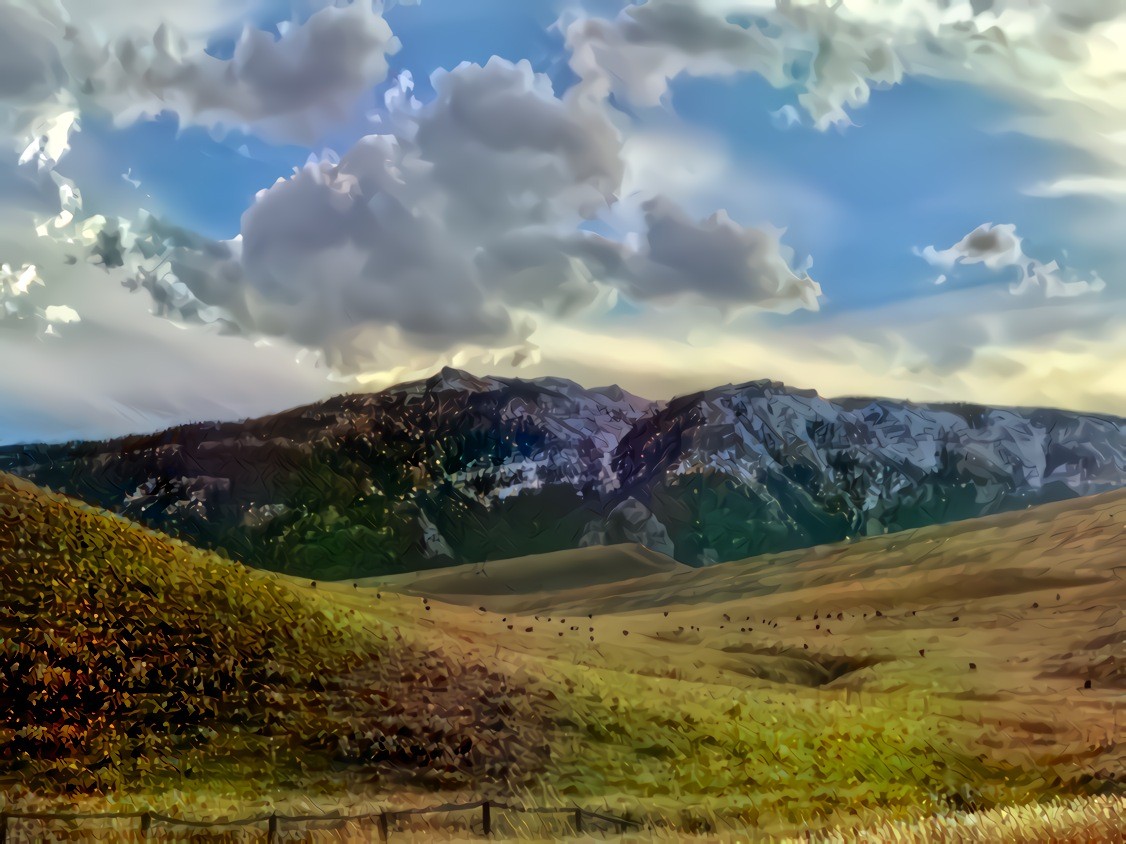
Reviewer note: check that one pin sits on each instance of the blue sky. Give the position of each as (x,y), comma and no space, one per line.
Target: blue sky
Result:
(818,268)
(926,161)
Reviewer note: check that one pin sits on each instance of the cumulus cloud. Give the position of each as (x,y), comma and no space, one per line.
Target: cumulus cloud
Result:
(54,61)
(31,68)
(460,226)
(716,260)
(506,151)
(289,87)
(37,112)
(999,248)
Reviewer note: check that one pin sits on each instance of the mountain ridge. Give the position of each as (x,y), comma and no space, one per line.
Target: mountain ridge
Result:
(457,468)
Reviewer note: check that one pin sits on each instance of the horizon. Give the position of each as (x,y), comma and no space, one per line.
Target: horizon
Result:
(659,401)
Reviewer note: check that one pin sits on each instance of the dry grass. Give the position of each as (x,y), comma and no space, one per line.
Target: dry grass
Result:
(889,679)
(133,663)
(878,690)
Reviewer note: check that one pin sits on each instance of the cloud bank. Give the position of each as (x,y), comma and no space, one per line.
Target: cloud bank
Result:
(461,225)
(835,54)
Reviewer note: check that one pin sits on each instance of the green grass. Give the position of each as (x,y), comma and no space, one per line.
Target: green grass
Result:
(771,758)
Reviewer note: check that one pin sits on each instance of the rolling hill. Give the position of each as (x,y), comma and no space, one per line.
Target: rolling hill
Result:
(129,660)
(544,575)
(458,469)
(971,666)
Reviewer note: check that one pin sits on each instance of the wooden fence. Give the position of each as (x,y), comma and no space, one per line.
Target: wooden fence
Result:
(273,821)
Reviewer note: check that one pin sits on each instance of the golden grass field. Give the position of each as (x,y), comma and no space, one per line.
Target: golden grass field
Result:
(961,682)
(892,677)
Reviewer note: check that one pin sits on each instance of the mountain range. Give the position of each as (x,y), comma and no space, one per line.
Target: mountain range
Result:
(461,469)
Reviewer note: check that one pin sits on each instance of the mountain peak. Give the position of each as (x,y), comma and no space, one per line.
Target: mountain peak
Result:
(449,378)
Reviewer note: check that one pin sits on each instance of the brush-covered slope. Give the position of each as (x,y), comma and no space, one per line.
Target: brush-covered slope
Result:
(459,469)
(126,657)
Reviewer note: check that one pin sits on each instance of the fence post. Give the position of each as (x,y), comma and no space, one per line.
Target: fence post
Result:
(486,819)
(579,821)
(384,826)
(272,828)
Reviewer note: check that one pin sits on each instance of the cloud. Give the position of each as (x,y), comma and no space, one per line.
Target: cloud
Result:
(20,289)
(37,112)
(288,87)
(30,65)
(718,261)
(713,261)
(506,151)
(1061,60)
(831,57)
(998,248)
(974,344)
(118,370)
(461,226)
(61,313)
(1079,186)
(57,59)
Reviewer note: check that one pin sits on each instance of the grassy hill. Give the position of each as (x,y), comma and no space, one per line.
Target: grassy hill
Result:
(513,581)
(970,666)
(881,684)
(129,660)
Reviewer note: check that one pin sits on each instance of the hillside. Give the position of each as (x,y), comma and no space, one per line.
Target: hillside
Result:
(128,660)
(876,684)
(542,575)
(1066,544)
(458,469)
(957,667)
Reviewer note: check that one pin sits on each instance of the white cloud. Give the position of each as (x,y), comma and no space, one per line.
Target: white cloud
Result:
(979,345)
(1079,186)
(459,228)
(287,87)
(456,231)
(37,112)
(998,248)
(713,261)
(61,313)
(104,54)
(118,370)
(18,281)
(21,288)
(1060,59)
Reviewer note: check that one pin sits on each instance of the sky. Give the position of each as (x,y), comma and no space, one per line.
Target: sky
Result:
(214,210)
